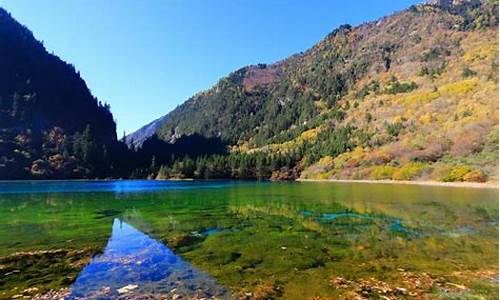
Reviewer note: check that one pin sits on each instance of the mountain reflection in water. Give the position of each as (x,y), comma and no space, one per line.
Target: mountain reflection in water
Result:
(134,264)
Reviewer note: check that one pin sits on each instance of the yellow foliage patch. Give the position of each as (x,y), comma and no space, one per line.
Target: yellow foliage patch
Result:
(397,119)
(350,158)
(421,97)
(475,176)
(481,52)
(325,161)
(456,174)
(409,171)
(382,172)
(309,134)
(321,105)
(459,87)
(425,119)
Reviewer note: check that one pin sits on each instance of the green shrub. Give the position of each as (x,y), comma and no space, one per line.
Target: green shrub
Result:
(361,94)
(410,171)
(373,86)
(382,172)
(396,87)
(492,139)
(368,117)
(394,129)
(434,53)
(432,72)
(456,174)
(423,71)
(468,73)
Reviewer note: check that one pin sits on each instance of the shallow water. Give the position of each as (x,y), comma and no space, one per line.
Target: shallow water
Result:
(132,257)
(225,239)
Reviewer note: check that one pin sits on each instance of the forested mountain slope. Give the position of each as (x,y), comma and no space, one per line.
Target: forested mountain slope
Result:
(412,95)
(50,124)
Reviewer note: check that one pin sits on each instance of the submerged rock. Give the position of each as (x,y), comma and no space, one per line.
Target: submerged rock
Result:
(127,288)
(184,240)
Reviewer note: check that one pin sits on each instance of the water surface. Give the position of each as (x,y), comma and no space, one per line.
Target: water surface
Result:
(146,266)
(224,239)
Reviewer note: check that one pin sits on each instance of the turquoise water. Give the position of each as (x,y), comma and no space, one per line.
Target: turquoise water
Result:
(115,186)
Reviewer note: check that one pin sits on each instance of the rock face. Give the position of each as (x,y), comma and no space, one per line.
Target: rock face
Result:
(127,288)
(261,75)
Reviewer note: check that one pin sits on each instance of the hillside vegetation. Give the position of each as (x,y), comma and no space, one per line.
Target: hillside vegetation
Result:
(50,124)
(411,96)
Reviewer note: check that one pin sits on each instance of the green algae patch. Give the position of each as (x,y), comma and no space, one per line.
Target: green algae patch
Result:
(33,273)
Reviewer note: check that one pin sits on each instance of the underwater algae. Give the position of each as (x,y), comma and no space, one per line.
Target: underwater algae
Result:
(259,241)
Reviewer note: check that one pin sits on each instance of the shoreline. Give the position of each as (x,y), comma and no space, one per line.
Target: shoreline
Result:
(478,185)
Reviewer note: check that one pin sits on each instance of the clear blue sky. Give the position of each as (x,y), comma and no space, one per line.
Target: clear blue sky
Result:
(146,57)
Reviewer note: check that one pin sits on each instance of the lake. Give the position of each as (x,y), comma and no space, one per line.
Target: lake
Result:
(246,240)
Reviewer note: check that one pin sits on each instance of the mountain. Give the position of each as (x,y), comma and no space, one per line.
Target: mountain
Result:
(138,137)
(50,124)
(410,96)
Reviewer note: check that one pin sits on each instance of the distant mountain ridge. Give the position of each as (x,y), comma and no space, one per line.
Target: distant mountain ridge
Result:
(138,137)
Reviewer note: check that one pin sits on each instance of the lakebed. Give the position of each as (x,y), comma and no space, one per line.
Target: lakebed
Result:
(246,240)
